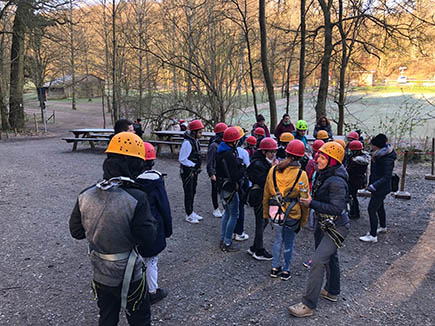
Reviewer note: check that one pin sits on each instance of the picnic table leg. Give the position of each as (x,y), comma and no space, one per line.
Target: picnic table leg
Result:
(75,143)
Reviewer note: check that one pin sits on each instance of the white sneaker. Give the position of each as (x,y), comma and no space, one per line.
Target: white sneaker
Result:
(242,237)
(198,217)
(381,230)
(192,219)
(217,212)
(368,238)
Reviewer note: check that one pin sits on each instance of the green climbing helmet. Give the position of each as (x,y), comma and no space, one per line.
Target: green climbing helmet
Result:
(302,125)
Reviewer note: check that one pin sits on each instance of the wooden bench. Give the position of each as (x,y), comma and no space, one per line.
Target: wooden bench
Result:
(91,141)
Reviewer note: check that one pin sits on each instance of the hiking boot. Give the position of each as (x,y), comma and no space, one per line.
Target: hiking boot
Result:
(262,254)
(229,248)
(381,230)
(308,263)
(300,310)
(198,217)
(221,244)
(285,276)
(241,237)
(192,219)
(159,295)
(368,238)
(217,213)
(325,295)
(275,272)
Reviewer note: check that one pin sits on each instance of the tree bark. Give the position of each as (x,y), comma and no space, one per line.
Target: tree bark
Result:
(73,72)
(301,82)
(265,66)
(115,108)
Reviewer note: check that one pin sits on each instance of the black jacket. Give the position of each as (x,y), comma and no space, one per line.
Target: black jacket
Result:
(154,186)
(381,169)
(330,193)
(257,173)
(211,155)
(357,171)
(328,129)
(235,167)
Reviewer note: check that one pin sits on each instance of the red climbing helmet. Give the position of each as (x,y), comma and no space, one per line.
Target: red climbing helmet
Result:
(220,127)
(317,144)
(355,145)
(196,125)
(259,131)
(268,144)
(231,134)
(296,148)
(150,152)
(251,140)
(353,135)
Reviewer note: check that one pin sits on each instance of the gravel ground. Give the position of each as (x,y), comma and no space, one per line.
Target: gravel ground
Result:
(45,274)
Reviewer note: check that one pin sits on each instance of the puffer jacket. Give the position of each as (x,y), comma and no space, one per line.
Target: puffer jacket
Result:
(154,185)
(330,193)
(235,167)
(285,181)
(357,170)
(381,169)
(257,173)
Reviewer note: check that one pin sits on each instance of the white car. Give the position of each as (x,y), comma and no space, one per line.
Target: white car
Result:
(402,80)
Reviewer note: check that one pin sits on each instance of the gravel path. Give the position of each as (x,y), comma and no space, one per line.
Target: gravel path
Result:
(45,274)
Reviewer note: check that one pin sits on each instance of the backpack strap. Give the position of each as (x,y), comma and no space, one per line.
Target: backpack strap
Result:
(294,184)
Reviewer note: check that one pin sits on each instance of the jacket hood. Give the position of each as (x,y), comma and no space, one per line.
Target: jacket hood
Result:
(150,180)
(188,135)
(224,147)
(341,172)
(116,165)
(384,151)
(363,159)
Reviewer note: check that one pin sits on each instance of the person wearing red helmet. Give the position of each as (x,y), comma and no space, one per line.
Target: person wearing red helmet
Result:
(259,134)
(311,165)
(261,163)
(151,181)
(229,171)
(190,166)
(261,123)
(353,135)
(280,204)
(251,142)
(357,164)
(213,145)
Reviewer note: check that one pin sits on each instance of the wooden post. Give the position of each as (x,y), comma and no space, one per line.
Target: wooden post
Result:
(402,194)
(36,123)
(431,176)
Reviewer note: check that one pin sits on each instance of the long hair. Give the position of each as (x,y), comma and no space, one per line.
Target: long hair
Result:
(320,120)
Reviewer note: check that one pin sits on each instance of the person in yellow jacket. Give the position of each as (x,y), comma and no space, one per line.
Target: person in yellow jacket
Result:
(287,179)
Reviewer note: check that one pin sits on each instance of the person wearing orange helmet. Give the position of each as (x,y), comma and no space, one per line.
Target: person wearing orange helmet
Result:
(323,124)
(280,205)
(190,166)
(284,139)
(114,216)
(229,171)
(329,201)
(153,184)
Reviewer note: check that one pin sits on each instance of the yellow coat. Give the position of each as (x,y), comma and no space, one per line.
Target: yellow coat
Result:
(285,181)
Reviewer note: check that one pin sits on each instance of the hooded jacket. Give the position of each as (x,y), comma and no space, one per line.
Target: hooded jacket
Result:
(154,185)
(211,155)
(357,170)
(236,169)
(330,193)
(282,128)
(381,169)
(257,174)
(285,181)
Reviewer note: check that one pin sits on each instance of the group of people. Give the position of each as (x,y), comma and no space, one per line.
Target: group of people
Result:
(287,182)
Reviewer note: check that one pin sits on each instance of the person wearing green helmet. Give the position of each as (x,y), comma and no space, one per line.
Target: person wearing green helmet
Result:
(301,130)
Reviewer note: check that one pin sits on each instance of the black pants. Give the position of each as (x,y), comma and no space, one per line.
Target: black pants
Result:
(260,225)
(190,180)
(109,301)
(354,204)
(214,194)
(376,209)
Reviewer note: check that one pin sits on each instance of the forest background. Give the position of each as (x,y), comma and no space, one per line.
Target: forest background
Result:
(218,60)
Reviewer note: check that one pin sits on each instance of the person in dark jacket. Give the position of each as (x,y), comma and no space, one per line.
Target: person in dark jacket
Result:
(154,185)
(190,167)
(323,124)
(285,125)
(229,171)
(261,123)
(284,139)
(114,216)
(257,172)
(329,201)
(381,171)
(211,165)
(137,126)
(357,163)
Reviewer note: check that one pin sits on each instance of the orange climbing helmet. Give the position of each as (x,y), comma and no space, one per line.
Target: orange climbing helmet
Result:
(341,142)
(322,134)
(286,137)
(334,150)
(128,144)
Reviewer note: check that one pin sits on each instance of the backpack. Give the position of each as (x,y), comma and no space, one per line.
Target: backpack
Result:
(395,179)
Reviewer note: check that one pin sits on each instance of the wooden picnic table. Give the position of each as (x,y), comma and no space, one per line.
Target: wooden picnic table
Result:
(168,134)
(90,135)
(173,138)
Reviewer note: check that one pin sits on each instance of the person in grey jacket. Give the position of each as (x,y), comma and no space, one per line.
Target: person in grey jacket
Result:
(114,217)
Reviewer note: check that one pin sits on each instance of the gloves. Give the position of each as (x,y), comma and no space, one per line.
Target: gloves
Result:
(371,188)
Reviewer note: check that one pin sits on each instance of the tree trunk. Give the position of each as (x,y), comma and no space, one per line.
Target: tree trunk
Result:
(16,109)
(73,72)
(115,108)
(3,89)
(264,65)
(301,81)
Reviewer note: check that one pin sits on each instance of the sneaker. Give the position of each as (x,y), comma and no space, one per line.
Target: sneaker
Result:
(229,248)
(159,295)
(217,213)
(192,219)
(381,230)
(307,263)
(241,237)
(221,244)
(275,272)
(198,217)
(300,310)
(251,251)
(368,238)
(285,276)
(262,254)
(325,295)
